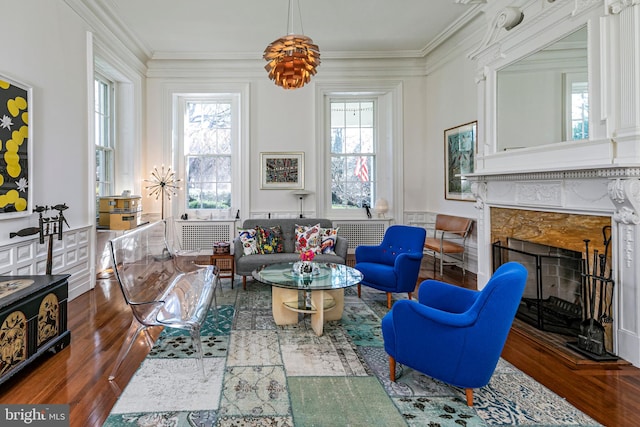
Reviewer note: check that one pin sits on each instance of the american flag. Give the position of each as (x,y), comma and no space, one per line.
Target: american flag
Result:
(361,170)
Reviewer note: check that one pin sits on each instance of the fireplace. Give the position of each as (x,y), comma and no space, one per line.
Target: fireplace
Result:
(553,292)
(562,208)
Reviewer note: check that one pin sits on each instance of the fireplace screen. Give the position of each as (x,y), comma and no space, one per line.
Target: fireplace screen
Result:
(551,299)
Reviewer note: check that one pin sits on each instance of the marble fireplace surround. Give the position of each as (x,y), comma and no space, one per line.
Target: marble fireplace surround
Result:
(562,208)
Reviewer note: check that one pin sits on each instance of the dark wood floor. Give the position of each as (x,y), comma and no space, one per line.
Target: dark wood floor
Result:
(99,319)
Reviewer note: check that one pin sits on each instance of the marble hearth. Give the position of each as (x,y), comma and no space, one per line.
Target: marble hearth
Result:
(561,209)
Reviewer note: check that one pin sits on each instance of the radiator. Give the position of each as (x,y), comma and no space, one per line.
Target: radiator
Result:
(201,235)
(362,232)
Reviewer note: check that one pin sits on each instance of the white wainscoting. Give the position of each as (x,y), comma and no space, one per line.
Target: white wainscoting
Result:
(71,255)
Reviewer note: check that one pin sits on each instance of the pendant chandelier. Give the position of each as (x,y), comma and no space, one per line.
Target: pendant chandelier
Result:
(292,59)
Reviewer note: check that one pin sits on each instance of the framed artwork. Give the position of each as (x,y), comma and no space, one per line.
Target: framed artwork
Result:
(459,158)
(282,171)
(15,150)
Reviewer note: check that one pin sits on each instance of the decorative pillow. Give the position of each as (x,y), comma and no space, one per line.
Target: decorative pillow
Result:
(248,239)
(270,240)
(328,237)
(307,238)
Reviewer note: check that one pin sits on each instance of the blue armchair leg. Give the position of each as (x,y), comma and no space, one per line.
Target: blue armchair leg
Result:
(392,369)
(469,393)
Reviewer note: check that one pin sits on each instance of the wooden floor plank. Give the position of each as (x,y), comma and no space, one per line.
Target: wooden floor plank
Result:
(98,320)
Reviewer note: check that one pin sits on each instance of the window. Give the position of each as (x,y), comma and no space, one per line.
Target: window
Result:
(360,124)
(579,111)
(576,106)
(353,152)
(104,136)
(209,141)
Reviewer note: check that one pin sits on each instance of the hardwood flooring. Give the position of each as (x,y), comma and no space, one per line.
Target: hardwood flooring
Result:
(98,320)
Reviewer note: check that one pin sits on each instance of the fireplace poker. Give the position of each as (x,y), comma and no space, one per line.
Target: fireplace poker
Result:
(586,277)
(602,281)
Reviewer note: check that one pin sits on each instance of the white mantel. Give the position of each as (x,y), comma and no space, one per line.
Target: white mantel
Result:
(596,177)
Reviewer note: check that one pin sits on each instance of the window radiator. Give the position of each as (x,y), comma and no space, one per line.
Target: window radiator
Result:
(201,235)
(361,232)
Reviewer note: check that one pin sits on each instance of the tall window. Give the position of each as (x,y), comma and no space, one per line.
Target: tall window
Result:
(353,152)
(104,136)
(576,125)
(579,110)
(208,149)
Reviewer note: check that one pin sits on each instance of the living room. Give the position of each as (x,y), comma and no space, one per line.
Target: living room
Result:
(56,47)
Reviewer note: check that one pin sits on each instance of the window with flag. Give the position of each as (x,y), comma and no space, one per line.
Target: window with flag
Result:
(353,152)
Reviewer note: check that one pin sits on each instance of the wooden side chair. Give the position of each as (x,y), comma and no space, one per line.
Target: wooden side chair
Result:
(448,240)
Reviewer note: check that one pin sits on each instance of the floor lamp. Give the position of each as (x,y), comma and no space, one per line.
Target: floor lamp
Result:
(162,182)
(301,194)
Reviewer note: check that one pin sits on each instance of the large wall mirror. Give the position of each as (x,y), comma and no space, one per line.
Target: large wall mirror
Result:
(543,98)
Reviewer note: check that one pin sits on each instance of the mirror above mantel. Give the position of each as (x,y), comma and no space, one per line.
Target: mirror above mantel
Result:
(543,98)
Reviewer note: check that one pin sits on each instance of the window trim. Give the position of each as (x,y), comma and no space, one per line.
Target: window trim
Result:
(389,140)
(180,101)
(110,148)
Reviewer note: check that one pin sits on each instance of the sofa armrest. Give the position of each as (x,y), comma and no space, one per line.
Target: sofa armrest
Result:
(342,246)
(238,250)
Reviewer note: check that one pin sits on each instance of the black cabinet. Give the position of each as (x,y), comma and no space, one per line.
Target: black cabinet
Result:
(33,319)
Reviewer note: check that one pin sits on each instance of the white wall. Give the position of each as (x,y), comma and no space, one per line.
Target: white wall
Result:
(45,48)
(279,120)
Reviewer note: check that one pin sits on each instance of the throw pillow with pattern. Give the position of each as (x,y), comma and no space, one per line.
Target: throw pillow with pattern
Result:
(270,240)
(328,238)
(307,238)
(249,241)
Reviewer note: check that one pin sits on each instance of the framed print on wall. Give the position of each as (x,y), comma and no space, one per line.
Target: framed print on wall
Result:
(282,171)
(459,160)
(15,149)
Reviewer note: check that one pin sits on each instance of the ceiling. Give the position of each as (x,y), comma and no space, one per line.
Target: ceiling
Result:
(210,29)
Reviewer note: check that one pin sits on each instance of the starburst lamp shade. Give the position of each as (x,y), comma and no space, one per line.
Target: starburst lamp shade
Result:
(292,60)
(163,182)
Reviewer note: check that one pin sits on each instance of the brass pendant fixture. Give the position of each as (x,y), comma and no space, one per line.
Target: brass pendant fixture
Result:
(292,59)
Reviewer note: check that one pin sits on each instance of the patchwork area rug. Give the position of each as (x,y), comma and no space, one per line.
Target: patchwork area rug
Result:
(261,374)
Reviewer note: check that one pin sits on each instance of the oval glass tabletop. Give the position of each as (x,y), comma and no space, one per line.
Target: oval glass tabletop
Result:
(325,276)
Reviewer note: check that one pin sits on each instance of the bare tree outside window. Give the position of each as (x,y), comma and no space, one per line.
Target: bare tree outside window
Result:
(208,153)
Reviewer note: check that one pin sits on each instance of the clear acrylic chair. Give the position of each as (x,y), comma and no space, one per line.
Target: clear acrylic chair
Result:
(157,288)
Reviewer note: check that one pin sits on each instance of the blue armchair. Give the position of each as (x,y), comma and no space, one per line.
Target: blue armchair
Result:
(393,266)
(453,334)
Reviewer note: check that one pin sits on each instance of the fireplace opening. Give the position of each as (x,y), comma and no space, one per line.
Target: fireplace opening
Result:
(552,297)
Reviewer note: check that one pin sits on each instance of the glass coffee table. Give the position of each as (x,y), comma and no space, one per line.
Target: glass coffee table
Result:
(320,294)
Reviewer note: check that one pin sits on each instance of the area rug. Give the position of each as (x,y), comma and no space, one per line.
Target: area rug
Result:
(260,374)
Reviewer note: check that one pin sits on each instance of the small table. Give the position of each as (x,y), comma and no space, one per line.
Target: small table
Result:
(227,267)
(325,285)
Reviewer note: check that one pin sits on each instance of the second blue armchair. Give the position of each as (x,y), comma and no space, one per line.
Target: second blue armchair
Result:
(394,265)
(453,334)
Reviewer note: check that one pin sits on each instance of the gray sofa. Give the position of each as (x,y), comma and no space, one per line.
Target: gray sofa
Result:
(245,264)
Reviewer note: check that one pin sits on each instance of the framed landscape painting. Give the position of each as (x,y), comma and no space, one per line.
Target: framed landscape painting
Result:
(459,148)
(15,150)
(282,171)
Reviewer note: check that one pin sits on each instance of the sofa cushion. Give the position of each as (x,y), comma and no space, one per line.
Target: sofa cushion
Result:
(249,241)
(328,237)
(270,240)
(307,238)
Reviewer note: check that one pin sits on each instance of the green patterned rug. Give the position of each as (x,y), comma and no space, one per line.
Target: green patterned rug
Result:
(260,374)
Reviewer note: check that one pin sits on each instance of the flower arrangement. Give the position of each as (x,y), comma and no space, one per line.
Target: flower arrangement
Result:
(307,255)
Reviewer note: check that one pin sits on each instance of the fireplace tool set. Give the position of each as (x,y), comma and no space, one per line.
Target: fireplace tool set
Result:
(47,227)
(597,300)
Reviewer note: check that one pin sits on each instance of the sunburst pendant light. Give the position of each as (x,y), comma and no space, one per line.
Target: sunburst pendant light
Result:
(292,59)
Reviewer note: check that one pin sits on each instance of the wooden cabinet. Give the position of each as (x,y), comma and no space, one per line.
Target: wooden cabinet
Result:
(33,319)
